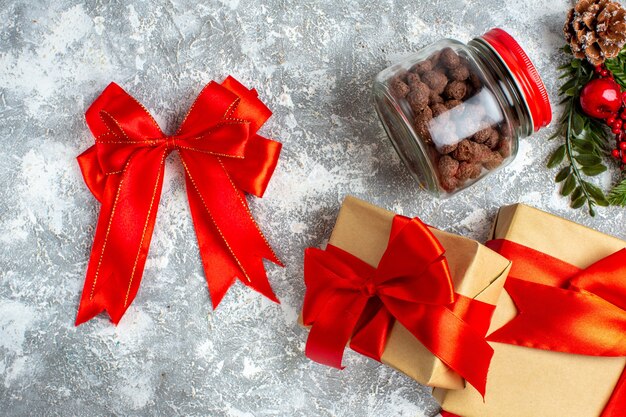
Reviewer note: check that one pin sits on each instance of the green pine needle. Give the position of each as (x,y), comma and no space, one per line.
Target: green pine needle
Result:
(616,66)
(617,196)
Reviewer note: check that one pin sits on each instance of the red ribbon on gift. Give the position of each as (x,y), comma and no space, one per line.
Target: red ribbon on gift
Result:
(564,308)
(349,300)
(223,158)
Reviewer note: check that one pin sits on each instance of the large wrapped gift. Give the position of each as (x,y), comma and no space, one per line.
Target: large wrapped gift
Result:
(559,330)
(415,298)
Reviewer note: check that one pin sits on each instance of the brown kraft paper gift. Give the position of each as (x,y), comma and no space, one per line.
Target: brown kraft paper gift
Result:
(525,382)
(478,272)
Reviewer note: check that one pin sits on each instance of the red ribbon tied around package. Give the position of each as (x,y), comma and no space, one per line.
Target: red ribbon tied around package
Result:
(563,308)
(349,300)
(223,158)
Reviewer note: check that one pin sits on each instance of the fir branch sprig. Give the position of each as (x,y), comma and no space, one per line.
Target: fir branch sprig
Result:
(617,66)
(617,196)
(585,144)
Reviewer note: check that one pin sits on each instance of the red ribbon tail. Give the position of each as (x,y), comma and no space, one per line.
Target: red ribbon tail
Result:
(449,338)
(332,329)
(122,238)
(105,299)
(231,243)
(88,307)
(220,270)
(258,278)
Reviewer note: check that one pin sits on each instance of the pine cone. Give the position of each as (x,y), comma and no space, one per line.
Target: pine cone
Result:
(596,30)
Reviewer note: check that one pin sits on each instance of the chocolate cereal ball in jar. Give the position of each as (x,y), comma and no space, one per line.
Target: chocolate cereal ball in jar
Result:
(455,112)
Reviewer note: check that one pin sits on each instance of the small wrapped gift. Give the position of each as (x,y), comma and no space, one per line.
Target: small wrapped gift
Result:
(559,330)
(415,298)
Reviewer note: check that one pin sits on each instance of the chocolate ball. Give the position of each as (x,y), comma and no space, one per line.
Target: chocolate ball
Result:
(435,80)
(504,148)
(448,166)
(493,161)
(413,80)
(425,114)
(460,73)
(455,90)
(464,151)
(493,140)
(475,80)
(438,109)
(483,136)
(422,67)
(449,183)
(480,153)
(418,98)
(399,88)
(434,98)
(449,58)
(468,170)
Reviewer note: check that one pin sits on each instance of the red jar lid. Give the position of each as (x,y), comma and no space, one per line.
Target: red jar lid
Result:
(525,73)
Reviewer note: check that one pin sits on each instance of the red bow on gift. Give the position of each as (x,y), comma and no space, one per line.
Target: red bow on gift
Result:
(223,158)
(563,308)
(349,300)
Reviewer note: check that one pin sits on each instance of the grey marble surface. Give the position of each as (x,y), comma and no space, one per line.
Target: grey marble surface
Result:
(313,63)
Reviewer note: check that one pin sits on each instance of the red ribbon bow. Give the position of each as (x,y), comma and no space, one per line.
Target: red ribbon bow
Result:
(563,308)
(347,299)
(223,158)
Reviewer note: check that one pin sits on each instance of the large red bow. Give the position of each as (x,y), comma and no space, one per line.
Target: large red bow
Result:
(347,299)
(563,308)
(223,158)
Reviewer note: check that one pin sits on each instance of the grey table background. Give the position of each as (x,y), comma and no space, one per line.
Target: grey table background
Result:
(312,63)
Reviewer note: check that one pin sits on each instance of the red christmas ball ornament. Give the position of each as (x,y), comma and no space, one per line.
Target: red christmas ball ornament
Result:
(601,98)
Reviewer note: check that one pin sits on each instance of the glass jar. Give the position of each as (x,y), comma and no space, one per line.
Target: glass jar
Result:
(455,112)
